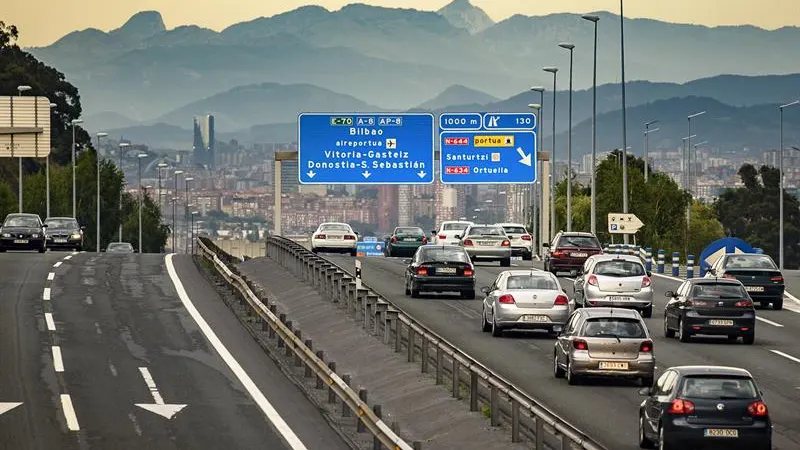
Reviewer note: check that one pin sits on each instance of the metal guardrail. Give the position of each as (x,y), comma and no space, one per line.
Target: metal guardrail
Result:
(337,385)
(504,399)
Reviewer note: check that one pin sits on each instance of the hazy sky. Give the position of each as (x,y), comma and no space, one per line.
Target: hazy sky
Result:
(41,25)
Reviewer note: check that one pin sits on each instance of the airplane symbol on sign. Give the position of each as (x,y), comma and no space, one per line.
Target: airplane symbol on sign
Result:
(391,143)
(493,121)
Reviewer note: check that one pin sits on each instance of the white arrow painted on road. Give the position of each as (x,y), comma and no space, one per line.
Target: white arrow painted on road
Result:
(421,174)
(159,407)
(311,174)
(8,406)
(366,174)
(526,159)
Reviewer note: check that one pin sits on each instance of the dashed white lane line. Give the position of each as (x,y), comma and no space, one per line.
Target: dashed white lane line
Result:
(46,294)
(58,362)
(50,276)
(51,324)
(58,264)
(68,257)
(767,321)
(69,413)
(787,356)
(258,397)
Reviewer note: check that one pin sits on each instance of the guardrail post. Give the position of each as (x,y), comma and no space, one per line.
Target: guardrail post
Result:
(660,261)
(350,296)
(344,291)
(336,284)
(410,343)
(456,379)
(494,406)
(358,273)
(381,307)
(398,336)
(424,353)
(439,364)
(648,259)
(331,392)
(376,443)
(676,264)
(473,391)
(290,326)
(297,360)
(308,343)
(539,436)
(282,318)
(514,421)
(329,272)
(689,266)
(369,306)
(389,317)
(345,408)
(360,425)
(361,299)
(321,355)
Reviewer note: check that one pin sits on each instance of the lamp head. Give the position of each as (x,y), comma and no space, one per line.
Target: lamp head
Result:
(52,105)
(23,88)
(538,89)
(178,172)
(188,179)
(162,165)
(102,135)
(76,121)
(142,155)
(124,144)
(567,45)
(591,18)
(552,70)
(534,106)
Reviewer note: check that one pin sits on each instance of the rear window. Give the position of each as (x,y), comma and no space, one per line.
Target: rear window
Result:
(612,327)
(22,221)
(710,290)
(410,230)
(438,254)
(340,228)
(619,269)
(460,226)
(578,241)
(530,282)
(718,388)
(486,231)
(750,262)
(515,230)
(62,223)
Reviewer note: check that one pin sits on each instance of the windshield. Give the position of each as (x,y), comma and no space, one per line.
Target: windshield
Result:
(61,223)
(531,282)
(119,248)
(718,388)
(486,231)
(455,226)
(335,227)
(750,262)
(515,230)
(20,221)
(414,231)
(439,254)
(619,269)
(578,241)
(613,327)
(718,290)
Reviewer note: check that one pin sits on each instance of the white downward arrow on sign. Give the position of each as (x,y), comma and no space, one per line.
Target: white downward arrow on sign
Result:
(8,406)
(311,174)
(366,174)
(159,407)
(421,174)
(526,159)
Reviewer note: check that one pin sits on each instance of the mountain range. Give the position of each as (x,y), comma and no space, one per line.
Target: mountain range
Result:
(393,58)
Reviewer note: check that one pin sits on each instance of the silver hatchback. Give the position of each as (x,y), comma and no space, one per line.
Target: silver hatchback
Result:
(487,242)
(524,300)
(614,280)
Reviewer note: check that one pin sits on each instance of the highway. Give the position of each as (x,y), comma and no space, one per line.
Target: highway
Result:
(137,351)
(605,409)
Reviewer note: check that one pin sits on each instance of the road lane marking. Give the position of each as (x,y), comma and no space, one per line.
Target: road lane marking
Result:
(69,413)
(58,362)
(8,406)
(258,397)
(163,409)
(791,297)
(787,356)
(51,324)
(68,257)
(46,294)
(135,423)
(774,324)
(50,276)
(97,328)
(112,368)
(88,299)
(669,277)
(58,264)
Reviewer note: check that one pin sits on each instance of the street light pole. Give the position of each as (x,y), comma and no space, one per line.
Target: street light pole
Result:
(593,208)
(689,167)
(624,117)
(194,213)
(780,188)
(74,191)
(160,192)
(20,90)
(47,170)
(140,156)
(535,192)
(122,147)
(647,132)
(571,48)
(554,71)
(187,180)
(97,219)
(174,200)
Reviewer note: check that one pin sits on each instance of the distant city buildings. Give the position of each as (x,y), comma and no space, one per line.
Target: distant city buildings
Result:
(203,148)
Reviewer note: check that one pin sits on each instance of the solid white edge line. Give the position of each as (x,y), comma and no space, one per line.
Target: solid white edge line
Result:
(258,397)
(50,276)
(791,297)
(787,356)
(58,264)
(58,362)
(69,413)
(51,324)
(774,324)
(46,294)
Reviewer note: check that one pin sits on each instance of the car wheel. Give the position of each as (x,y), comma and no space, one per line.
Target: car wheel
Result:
(414,292)
(506,262)
(777,304)
(353,253)
(749,338)
(496,330)
(571,377)
(667,332)
(485,325)
(644,442)
(646,381)
(647,312)
(389,252)
(662,444)
(468,295)
(558,372)
(683,333)
(408,291)
(314,250)
(42,249)
(527,256)
(2,250)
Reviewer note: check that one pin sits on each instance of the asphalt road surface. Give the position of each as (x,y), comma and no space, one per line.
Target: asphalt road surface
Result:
(106,351)
(605,409)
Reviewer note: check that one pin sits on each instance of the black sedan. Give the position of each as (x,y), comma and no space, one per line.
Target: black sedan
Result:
(714,306)
(696,407)
(758,273)
(64,232)
(437,269)
(23,232)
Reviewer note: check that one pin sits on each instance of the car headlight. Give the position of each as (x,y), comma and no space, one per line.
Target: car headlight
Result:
(6,235)
(35,235)
(76,235)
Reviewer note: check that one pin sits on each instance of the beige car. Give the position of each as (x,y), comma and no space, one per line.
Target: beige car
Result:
(604,342)
(486,243)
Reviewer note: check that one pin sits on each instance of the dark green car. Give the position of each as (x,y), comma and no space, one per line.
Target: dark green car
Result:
(404,241)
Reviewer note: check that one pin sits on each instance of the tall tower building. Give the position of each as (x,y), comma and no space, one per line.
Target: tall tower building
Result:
(204,145)
(387,206)
(404,212)
(290,179)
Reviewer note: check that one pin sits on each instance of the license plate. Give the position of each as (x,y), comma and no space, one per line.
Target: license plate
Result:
(722,323)
(409,239)
(579,255)
(446,270)
(60,241)
(532,318)
(721,432)
(339,238)
(613,365)
(20,241)
(754,288)
(487,243)
(617,298)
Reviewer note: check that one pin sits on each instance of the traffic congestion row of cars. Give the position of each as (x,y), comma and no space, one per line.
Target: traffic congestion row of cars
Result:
(24,231)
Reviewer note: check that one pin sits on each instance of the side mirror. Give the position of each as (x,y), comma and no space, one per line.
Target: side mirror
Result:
(485,290)
(669,294)
(83,227)
(433,231)
(545,245)
(44,225)
(646,391)
(649,274)
(458,236)
(406,261)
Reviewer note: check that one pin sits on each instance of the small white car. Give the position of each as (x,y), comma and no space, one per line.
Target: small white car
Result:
(447,232)
(521,240)
(334,237)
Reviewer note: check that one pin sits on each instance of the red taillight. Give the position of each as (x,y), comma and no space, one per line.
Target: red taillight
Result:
(468,242)
(580,344)
(758,409)
(744,304)
(646,347)
(561,300)
(592,280)
(468,272)
(559,254)
(348,237)
(442,236)
(422,271)
(506,299)
(319,236)
(525,237)
(394,239)
(681,407)
(506,243)
(424,240)
(776,279)
(646,282)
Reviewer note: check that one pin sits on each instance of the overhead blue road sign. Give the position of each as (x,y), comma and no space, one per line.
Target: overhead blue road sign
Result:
(369,249)
(365,148)
(509,121)
(488,157)
(460,121)
(720,247)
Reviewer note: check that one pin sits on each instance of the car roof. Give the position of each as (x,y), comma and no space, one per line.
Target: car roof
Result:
(577,233)
(526,272)
(611,312)
(510,224)
(612,257)
(711,370)
(488,225)
(61,218)
(443,247)
(334,223)
(22,215)
(714,281)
